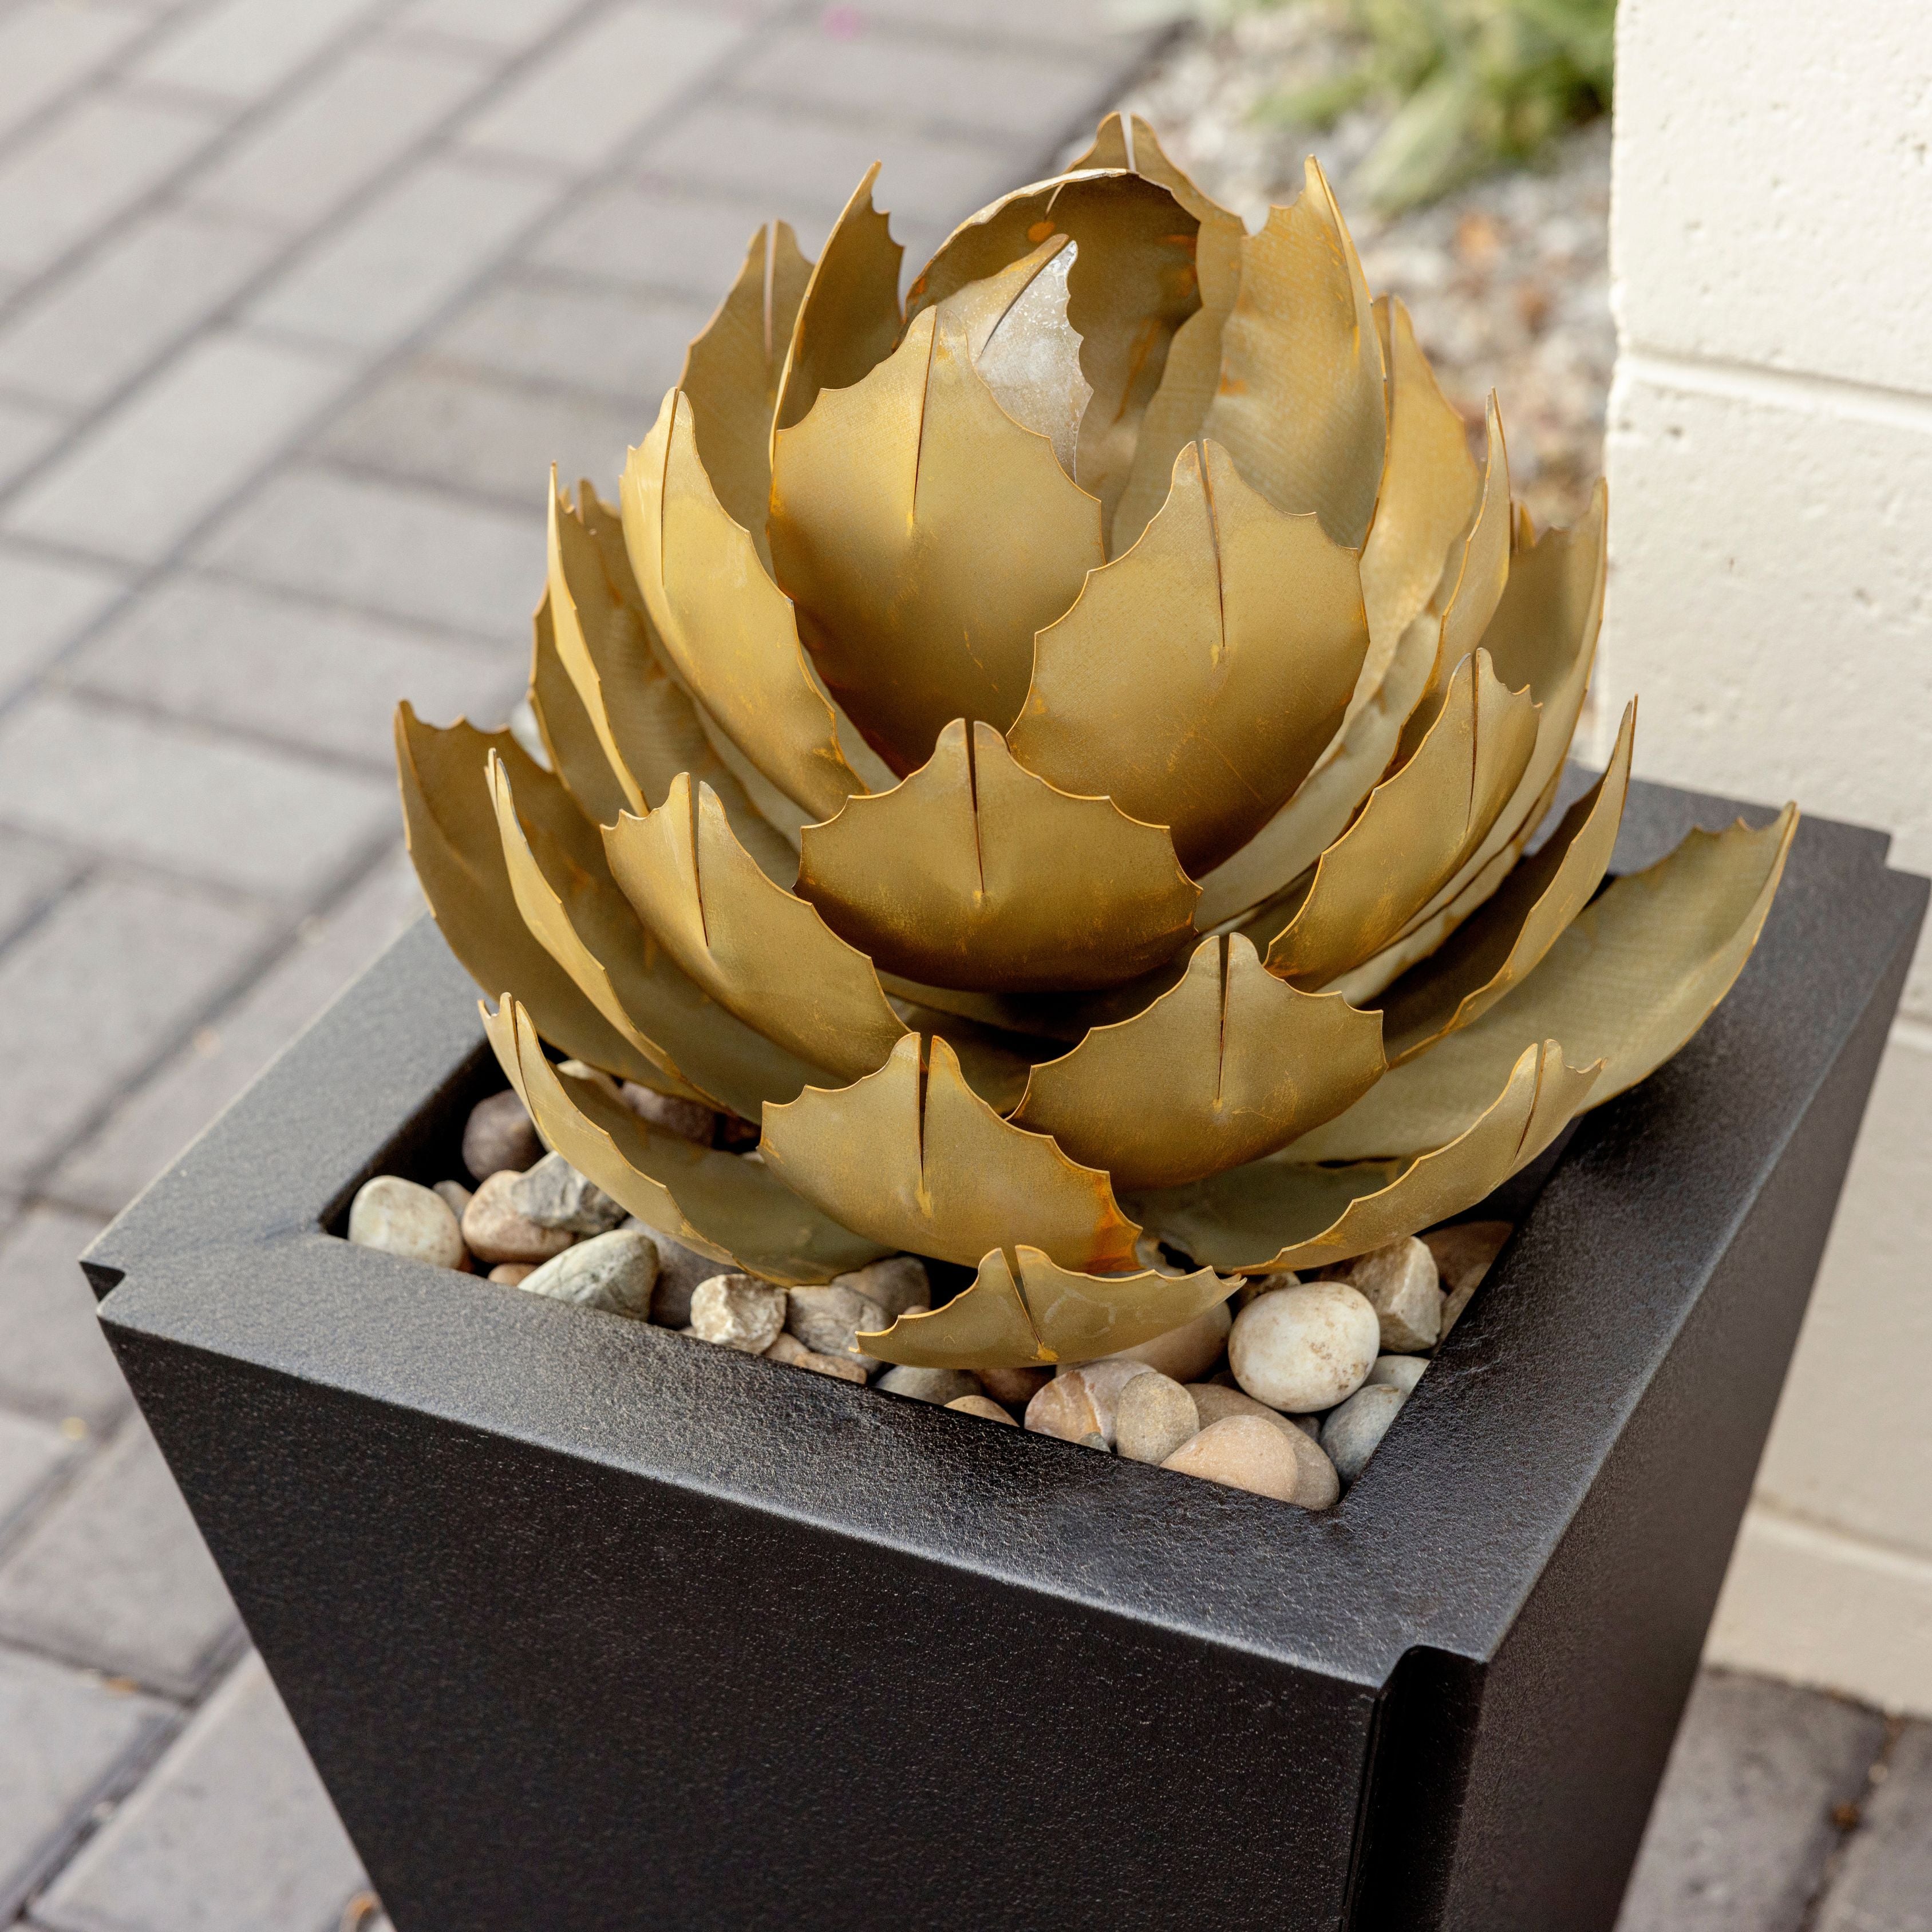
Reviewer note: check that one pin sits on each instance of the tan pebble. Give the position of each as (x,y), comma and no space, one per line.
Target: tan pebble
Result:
(899,1284)
(1213,1403)
(1187,1352)
(1245,1452)
(495,1232)
(458,1196)
(739,1311)
(982,1405)
(1064,1408)
(499,1134)
(1305,1349)
(401,1217)
(1094,1439)
(1463,1252)
(1104,1380)
(790,1350)
(689,1119)
(1154,1416)
(829,1319)
(939,1386)
(1399,1279)
(510,1273)
(1016,1386)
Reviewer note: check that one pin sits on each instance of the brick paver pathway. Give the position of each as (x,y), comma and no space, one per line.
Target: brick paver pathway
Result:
(299,300)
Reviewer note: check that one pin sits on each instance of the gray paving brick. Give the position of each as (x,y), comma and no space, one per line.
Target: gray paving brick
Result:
(194,801)
(651,237)
(46,605)
(47,46)
(1743,1826)
(389,548)
(601,83)
(66,1742)
(800,164)
(1090,25)
(83,335)
(54,1362)
(1028,96)
(1885,1883)
(31,1452)
(85,167)
(34,872)
(208,649)
(163,1116)
(27,431)
(240,49)
(231,1833)
(88,996)
(506,26)
(624,344)
(114,1576)
(374,281)
(144,476)
(447,425)
(348,126)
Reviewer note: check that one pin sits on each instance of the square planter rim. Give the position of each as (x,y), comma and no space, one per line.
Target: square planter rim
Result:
(1429,1548)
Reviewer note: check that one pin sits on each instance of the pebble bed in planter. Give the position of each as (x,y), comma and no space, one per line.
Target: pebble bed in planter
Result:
(1286,1388)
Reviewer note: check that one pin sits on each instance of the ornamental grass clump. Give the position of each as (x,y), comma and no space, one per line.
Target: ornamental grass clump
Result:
(1062,755)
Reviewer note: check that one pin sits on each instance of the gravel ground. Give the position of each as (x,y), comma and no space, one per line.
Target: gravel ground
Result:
(1508,279)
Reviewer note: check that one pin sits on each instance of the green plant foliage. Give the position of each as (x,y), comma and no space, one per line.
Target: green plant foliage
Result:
(1476,82)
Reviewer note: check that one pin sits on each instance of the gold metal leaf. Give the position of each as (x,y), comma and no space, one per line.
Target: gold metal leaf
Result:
(732,372)
(451,823)
(849,320)
(1633,978)
(1278,1214)
(1300,405)
(734,1210)
(1483,569)
(925,537)
(1199,677)
(570,901)
(984,1326)
(760,953)
(1415,831)
(974,873)
(725,626)
(1228,1066)
(1503,943)
(576,752)
(912,1157)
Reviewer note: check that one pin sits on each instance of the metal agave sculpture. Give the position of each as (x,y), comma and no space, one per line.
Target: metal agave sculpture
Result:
(1062,755)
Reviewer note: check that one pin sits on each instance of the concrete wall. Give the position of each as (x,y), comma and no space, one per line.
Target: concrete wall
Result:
(1770,462)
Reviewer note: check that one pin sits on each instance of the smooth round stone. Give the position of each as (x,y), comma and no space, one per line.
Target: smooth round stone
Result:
(738,1311)
(1064,1408)
(1187,1353)
(1016,1387)
(499,1134)
(401,1217)
(679,1270)
(1212,1401)
(1245,1452)
(1154,1416)
(790,1350)
(458,1196)
(983,1406)
(615,1272)
(512,1274)
(1402,1371)
(935,1385)
(689,1119)
(1305,1348)
(553,1195)
(1352,1432)
(495,1232)
(1399,1280)
(899,1284)
(828,1320)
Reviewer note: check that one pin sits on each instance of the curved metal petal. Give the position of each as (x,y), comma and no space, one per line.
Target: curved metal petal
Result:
(984,1326)
(1280,1214)
(1633,976)
(1482,570)
(1415,831)
(732,372)
(726,627)
(974,873)
(1228,1066)
(925,537)
(911,1156)
(1300,405)
(1199,677)
(760,953)
(736,1211)
(451,825)
(576,753)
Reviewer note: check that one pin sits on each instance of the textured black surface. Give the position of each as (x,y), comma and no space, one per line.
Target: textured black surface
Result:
(590,1626)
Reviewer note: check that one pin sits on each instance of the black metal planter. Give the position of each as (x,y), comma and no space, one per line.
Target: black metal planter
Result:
(589,1627)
